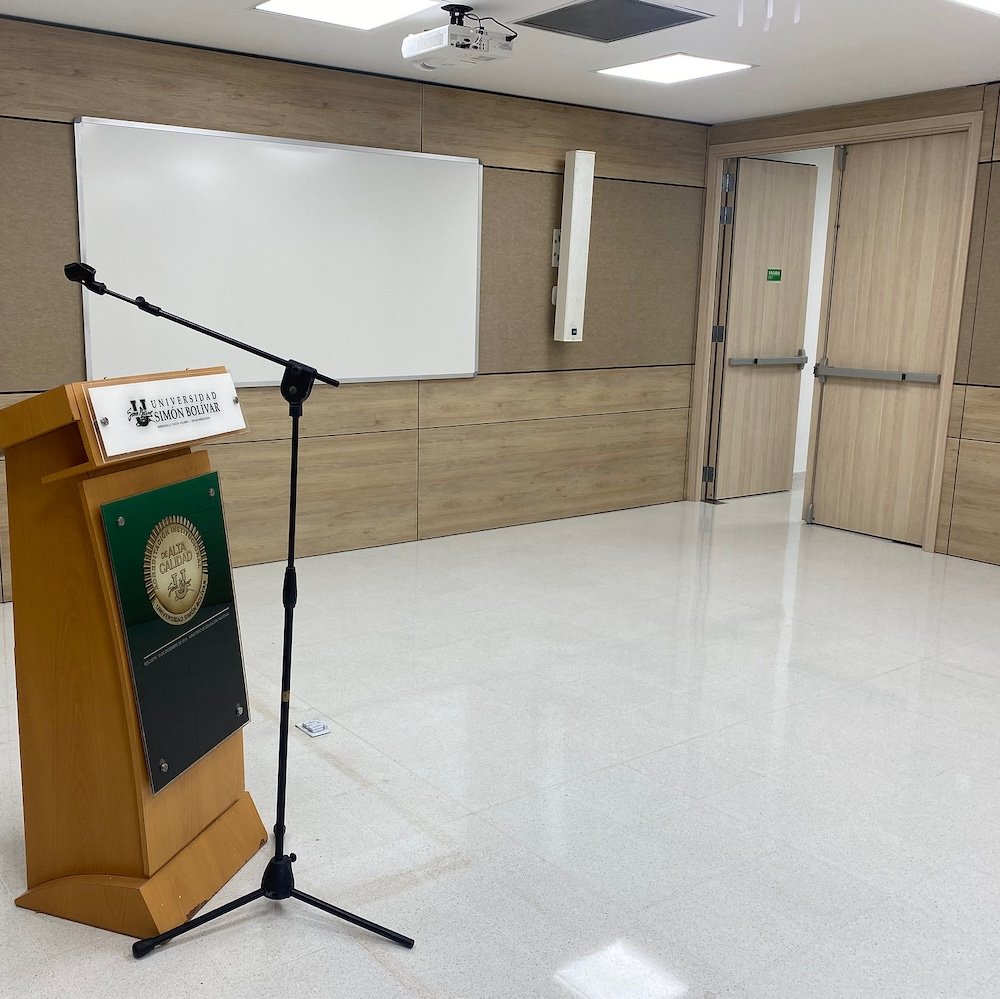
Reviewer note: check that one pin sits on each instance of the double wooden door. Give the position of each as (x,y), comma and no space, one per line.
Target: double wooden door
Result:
(758,353)
(899,224)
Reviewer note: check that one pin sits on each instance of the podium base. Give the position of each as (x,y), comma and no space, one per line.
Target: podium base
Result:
(143,907)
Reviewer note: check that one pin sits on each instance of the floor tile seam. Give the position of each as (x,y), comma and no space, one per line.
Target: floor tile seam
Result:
(420,824)
(928,911)
(725,758)
(545,787)
(666,787)
(245,989)
(377,956)
(771,963)
(723,872)
(857,875)
(796,703)
(571,990)
(909,910)
(392,759)
(993,688)
(500,928)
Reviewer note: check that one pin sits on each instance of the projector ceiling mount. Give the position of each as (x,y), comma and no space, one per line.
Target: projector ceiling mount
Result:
(457,12)
(456,44)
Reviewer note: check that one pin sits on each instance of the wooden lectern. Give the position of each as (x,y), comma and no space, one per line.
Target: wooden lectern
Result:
(101,848)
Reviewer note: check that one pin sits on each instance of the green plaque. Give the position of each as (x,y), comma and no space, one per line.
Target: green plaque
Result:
(774,273)
(171,566)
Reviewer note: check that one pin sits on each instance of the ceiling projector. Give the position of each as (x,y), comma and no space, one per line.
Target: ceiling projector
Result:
(458,43)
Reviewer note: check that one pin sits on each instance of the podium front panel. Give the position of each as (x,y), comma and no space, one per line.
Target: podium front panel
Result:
(172,572)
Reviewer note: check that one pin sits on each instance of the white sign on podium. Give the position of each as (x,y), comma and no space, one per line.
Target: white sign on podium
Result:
(137,416)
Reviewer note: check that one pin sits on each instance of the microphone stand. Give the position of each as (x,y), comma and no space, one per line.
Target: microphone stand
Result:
(278,882)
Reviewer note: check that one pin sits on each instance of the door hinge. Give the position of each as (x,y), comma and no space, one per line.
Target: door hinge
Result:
(809,514)
(842,153)
(726,216)
(707,473)
(718,334)
(728,182)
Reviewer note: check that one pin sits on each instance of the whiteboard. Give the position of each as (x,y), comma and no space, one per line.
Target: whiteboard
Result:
(363,263)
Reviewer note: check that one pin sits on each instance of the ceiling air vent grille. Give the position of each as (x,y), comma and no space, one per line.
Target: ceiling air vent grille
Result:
(612,20)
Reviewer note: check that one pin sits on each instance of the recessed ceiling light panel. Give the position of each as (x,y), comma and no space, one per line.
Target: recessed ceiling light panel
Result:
(990,6)
(366,14)
(612,20)
(675,68)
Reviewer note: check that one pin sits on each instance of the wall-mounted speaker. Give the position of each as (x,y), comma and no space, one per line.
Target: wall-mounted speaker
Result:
(574,245)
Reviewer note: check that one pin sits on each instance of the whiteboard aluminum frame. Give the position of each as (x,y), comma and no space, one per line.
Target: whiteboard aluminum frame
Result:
(250,136)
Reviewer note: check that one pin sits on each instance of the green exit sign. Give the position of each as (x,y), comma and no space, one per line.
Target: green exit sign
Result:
(774,273)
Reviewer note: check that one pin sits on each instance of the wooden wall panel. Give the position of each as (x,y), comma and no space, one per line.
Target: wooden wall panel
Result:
(947,495)
(643,275)
(984,364)
(904,108)
(41,316)
(355,491)
(5,591)
(981,414)
(973,271)
(535,135)
(548,395)
(991,106)
(494,475)
(57,74)
(975,526)
(957,411)
(358,408)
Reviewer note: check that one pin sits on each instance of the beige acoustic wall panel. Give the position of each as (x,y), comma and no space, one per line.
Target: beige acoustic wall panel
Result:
(59,74)
(975,526)
(645,258)
(957,100)
(41,320)
(551,394)
(645,241)
(355,491)
(984,366)
(359,408)
(527,134)
(493,475)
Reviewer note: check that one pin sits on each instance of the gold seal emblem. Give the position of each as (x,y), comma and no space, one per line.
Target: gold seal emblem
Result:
(176,570)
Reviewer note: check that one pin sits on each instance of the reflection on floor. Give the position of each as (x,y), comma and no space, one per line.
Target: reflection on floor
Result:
(683,751)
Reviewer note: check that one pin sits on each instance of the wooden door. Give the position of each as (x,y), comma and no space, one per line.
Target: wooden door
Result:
(899,225)
(758,360)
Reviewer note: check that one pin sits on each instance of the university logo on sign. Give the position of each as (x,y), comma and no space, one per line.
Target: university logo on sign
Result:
(139,412)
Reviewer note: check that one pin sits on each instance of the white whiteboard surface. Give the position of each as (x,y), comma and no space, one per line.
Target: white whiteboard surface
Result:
(363,263)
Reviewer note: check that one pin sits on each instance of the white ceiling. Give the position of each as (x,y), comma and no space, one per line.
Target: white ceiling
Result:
(841,51)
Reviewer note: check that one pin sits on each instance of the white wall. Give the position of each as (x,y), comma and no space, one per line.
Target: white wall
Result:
(823,159)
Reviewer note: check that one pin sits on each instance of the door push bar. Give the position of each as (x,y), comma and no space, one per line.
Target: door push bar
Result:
(800,360)
(823,371)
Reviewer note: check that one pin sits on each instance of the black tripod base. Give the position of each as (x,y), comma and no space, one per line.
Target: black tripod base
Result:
(278,883)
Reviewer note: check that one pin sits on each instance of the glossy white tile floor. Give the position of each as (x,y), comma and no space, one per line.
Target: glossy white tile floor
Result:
(683,751)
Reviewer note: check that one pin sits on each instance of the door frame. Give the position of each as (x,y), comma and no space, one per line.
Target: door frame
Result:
(969,123)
